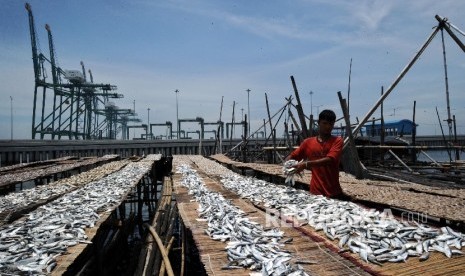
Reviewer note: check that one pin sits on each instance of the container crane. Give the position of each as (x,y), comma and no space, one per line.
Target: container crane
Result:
(232,124)
(124,120)
(74,101)
(197,119)
(220,125)
(168,124)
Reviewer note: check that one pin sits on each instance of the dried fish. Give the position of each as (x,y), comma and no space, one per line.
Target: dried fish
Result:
(249,244)
(376,236)
(48,231)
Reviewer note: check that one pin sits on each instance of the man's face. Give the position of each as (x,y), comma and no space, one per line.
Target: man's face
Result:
(325,127)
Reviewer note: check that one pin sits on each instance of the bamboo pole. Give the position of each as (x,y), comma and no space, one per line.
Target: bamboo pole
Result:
(394,84)
(430,158)
(354,165)
(169,269)
(443,137)
(457,153)
(168,248)
(183,249)
(295,124)
(414,134)
(271,126)
(300,111)
(400,160)
(149,255)
(163,224)
(444,24)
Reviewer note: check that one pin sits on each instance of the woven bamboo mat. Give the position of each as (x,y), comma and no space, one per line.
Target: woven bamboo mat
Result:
(73,252)
(438,202)
(388,193)
(213,254)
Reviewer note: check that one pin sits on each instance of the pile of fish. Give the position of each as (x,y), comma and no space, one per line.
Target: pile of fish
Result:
(249,244)
(21,199)
(32,244)
(376,236)
(48,169)
(34,164)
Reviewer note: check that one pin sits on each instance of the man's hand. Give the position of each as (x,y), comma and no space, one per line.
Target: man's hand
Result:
(299,167)
(291,168)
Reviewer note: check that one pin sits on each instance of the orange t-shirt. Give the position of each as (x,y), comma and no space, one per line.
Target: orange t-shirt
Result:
(325,179)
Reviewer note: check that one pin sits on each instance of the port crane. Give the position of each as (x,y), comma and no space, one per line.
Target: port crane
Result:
(220,126)
(75,109)
(169,126)
(197,119)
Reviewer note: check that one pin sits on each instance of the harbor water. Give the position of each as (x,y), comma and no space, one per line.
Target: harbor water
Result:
(440,155)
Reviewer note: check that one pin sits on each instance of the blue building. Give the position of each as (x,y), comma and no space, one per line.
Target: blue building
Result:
(391,128)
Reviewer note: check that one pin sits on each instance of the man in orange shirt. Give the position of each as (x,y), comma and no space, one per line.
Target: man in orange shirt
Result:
(322,155)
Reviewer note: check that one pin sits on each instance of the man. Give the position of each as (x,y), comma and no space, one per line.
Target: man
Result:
(322,155)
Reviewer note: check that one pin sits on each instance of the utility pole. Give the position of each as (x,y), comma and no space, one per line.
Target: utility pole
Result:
(248,110)
(311,102)
(177,114)
(148,123)
(134,130)
(11,117)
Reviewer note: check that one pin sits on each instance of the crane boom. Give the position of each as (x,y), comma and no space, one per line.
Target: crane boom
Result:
(32,30)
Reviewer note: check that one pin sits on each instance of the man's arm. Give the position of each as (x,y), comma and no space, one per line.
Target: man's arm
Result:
(313,163)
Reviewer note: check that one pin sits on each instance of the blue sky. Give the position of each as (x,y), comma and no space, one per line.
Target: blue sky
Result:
(210,49)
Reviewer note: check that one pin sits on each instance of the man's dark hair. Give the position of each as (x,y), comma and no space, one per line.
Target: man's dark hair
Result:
(327,115)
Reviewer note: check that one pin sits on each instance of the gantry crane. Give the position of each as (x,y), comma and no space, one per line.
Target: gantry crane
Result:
(243,124)
(113,116)
(74,111)
(169,126)
(220,126)
(197,119)
(124,120)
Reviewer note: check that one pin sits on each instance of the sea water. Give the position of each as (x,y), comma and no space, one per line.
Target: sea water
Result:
(440,155)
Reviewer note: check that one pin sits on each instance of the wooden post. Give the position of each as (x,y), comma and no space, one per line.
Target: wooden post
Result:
(381,138)
(292,134)
(264,128)
(286,131)
(352,163)
(244,141)
(271,126)
(296,125)
(372,135)
(414,134)
(457,151)
(311,126)
(300,111)
(232,124)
